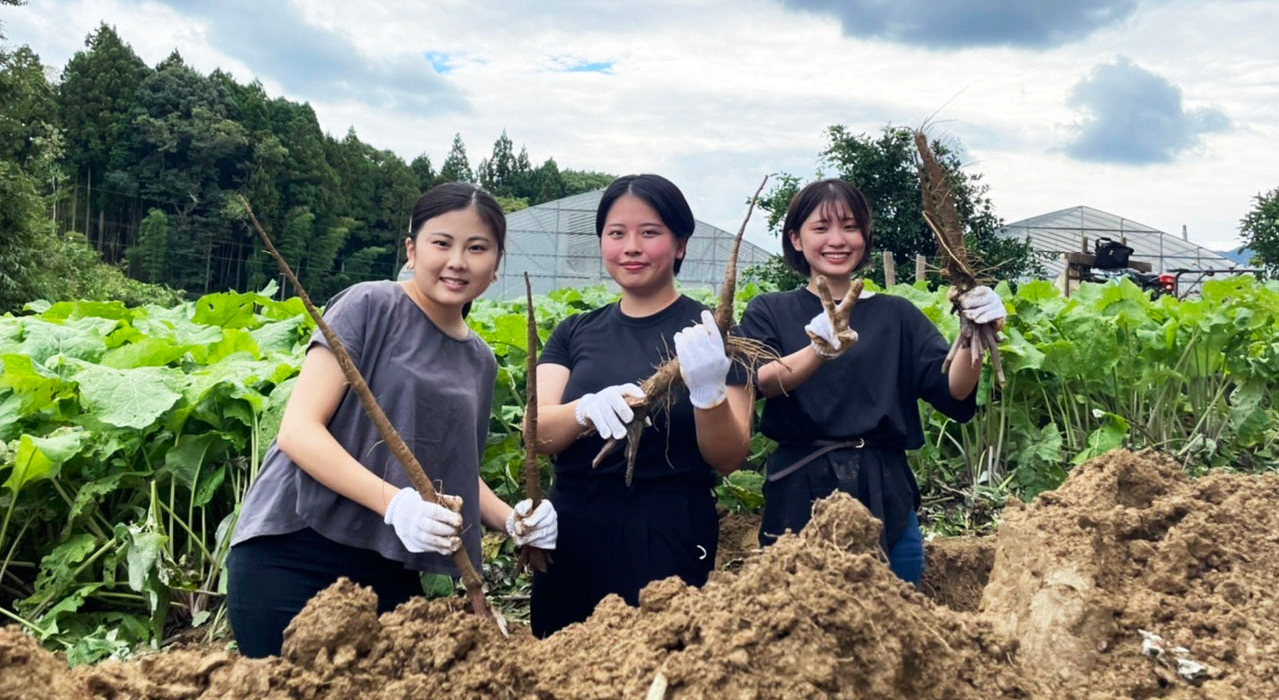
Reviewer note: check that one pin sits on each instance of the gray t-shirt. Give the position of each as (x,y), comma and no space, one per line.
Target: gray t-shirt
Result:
(436,390)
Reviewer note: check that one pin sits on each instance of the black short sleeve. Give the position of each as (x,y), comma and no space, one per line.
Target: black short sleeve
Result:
(603,348)
(871,391)
(757,323)
(558,347)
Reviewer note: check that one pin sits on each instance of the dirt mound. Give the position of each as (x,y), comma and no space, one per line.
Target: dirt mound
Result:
(1129,543)
(956,570)
(816,615)
(28,672)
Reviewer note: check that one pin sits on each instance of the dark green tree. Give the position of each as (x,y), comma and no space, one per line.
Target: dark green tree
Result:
(456,167)
(423,172)
(883,168)
(550,186)
(1260,229)
(28,110)
(147,257)
(579,181)
(96,99)
(496,172)
(21,218)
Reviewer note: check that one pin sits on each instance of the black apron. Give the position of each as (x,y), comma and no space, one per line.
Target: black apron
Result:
(800,473)
(614,539)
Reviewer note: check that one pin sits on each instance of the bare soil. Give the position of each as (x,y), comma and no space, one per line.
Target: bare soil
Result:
(1128,543)
(956,570)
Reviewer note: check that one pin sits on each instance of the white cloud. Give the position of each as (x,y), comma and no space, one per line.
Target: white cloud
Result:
(715,94)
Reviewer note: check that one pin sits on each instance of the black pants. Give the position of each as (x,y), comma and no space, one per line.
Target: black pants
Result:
(615,540)
(272,577)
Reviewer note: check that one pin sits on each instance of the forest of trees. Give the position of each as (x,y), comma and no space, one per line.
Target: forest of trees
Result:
(145,163)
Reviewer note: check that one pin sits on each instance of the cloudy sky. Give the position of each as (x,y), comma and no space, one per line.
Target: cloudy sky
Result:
(1162,111)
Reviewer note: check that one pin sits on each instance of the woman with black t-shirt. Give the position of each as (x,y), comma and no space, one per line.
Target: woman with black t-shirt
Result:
(614,538)
(845,416)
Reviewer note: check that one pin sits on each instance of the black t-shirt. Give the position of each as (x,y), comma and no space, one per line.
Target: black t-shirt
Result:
(868,392)
(606,347)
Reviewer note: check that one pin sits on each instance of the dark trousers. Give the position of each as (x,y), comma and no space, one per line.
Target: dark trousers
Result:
(617,540)
(272,577)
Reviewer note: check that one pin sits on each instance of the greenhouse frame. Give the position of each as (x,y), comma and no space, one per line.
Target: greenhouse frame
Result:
(1056,233)
(555,243)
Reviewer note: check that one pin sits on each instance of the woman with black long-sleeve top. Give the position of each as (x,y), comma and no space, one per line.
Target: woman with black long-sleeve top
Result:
(845,416)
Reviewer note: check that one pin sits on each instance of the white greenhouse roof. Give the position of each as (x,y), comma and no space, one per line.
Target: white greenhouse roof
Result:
(1062,232)
(555,243)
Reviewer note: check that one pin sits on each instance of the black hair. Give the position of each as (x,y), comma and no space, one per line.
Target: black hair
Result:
(454,196)
(813,197)
(660,194)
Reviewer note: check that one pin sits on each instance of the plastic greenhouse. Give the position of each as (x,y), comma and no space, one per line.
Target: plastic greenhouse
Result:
(555,243)
(1054,234)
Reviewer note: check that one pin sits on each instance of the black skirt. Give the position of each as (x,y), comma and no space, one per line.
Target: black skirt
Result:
(616,540)
(878,477)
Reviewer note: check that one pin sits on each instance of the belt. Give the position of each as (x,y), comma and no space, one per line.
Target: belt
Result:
(821,447)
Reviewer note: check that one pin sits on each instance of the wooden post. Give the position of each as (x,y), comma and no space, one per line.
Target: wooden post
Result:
(921,268)
(890,269)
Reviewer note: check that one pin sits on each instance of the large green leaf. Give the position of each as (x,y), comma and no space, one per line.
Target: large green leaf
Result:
(280,336)
(82,339)
(128,398)
(40,457)
(1111,435)
(226,309)
(186,458)
(36,387)
(146,352)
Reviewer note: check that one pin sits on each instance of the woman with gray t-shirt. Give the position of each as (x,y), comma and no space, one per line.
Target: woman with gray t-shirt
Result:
(330,500)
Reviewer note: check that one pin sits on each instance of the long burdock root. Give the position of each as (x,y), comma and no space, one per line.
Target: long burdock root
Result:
(531,557)
(956,267)
(658,389)
(474,584)
(838,315)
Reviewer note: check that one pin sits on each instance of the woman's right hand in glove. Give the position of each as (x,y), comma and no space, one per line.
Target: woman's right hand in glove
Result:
(424,526)
(607,411)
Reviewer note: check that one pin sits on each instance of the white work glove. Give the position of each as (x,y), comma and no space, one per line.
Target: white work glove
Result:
(538,529)
(821,327)
(424,526)
(702,362)
(982,305)
(607,411)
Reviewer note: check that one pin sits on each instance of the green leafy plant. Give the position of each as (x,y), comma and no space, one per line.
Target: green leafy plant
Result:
(128,436)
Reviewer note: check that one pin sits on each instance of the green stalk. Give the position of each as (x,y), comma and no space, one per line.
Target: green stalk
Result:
(174,517)
(8,558)
(40,632)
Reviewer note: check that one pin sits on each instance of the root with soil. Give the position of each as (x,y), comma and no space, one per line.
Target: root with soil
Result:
(531,557)
(956,266)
